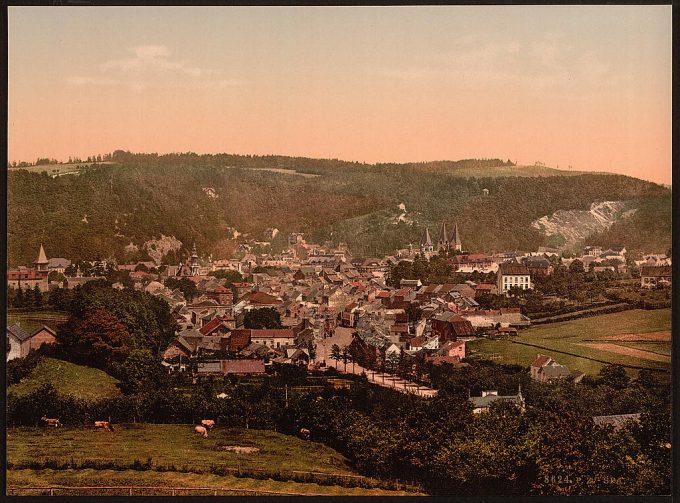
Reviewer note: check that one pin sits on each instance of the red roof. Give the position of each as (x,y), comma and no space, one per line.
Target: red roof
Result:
(239,339)
(540,361)
(383,294)
(209,327)
(242,366)
(263,298)
(272,333)
(438,360)
(25,274)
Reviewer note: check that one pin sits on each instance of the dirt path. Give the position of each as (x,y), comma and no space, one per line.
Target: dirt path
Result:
(663,336)
(635,353)
(343,337)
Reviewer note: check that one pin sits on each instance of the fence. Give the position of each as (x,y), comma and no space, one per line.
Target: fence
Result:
(144,491)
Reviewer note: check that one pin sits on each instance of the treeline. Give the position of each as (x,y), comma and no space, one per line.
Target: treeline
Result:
(552,448)
(102,210)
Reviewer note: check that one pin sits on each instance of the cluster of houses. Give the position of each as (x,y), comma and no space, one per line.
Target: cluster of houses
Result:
(316,288)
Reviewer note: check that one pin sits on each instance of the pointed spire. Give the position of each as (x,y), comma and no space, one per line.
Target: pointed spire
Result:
(455,239)
(443,236)
(426,240)
(42,258)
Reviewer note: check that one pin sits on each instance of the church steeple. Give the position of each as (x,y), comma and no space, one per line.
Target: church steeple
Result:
(426,241)
(443,243)
(455,239)
(41,263)
(194,261)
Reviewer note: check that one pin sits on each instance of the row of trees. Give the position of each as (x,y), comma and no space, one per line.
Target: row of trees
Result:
(25,297)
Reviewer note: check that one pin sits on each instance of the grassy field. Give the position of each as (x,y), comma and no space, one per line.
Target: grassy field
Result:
(173,444)
(176,455)
(90,477)
(30,321)
(68,379)
(570,342)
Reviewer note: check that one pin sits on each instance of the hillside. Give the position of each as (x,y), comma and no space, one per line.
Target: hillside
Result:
(68,379)
(196,198)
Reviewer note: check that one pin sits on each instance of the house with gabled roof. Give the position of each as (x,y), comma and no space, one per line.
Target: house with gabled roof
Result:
(481,404)
(20,342)
(544,369)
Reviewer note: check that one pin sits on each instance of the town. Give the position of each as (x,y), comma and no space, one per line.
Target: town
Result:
(314,306)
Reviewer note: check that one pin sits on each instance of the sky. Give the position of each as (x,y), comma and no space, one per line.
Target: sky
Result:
(574,87)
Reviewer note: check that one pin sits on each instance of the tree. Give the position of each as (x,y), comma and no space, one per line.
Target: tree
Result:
(37,296)
(98,339)
(55,276)
(335,354)
(230,275)
(614,376)
(185,285)
(414,312)
(576,266)
(140,371)
(268,318)
(19,299)
(345,356)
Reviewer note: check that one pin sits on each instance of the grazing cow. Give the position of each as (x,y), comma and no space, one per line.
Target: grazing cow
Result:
(305,433)
(50,422)
(105,425)
(208,423)
(201,430)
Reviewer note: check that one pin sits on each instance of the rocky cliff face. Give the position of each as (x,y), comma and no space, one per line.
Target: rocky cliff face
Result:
(571,227)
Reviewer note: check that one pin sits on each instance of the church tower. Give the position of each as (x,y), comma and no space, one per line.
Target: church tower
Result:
(443,243)
(194,262)
(455,239)
(426,242)
(41,263)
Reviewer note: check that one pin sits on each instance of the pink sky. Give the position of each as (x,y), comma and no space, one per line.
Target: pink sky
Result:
(587,87)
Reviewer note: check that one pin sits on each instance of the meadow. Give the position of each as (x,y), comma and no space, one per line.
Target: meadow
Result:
(635,339)
(68,379)
(175,456)
(30,321)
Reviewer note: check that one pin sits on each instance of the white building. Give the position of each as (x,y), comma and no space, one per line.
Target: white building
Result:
(513,276)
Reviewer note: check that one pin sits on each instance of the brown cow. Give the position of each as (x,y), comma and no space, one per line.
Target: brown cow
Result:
(50,422)
(208,423)
(105,425)
(201,430)
(305,433)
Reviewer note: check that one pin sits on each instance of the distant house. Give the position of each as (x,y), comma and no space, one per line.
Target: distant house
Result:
(538,265)
(44,335)
(453,348)
(544,369)
(485,289)
(483,403)
(653,275)
(449,327)
(513,276)
(20,342)
(274,338)
(593,251)
(58,264)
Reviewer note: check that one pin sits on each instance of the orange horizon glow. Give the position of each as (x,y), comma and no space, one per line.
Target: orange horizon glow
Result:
(583,86)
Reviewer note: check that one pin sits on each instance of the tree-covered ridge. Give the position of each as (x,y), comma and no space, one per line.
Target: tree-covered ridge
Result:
(104,208)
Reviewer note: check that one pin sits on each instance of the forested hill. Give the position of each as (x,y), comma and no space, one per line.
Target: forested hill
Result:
(100,210)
